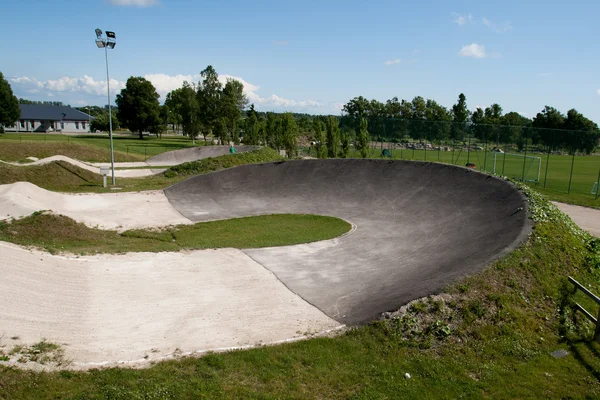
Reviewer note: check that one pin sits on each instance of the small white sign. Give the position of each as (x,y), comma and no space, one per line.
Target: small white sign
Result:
(104,170)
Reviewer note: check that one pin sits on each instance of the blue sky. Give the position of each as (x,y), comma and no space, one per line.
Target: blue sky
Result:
(313,56)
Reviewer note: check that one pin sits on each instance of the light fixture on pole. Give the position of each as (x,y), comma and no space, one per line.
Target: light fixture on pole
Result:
(108,42)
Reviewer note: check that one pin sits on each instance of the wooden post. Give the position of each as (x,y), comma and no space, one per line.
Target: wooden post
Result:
(597,331)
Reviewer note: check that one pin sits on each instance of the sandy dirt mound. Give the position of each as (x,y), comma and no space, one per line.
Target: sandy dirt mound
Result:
(138,307)
(109,211)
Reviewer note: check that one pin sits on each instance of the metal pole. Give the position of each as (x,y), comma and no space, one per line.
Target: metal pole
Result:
(112,153)
(547,163)
(571,175)
(524,159)
(597,184)
(469,149)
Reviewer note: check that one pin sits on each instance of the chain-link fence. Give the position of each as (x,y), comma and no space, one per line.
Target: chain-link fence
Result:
(553,160)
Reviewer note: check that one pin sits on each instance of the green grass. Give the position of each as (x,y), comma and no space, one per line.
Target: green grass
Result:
(15,151)
(555,187)
(490,338)
(129,145)
(61,176)
(57,234)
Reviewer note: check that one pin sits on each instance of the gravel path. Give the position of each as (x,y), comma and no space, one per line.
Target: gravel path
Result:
(587,218)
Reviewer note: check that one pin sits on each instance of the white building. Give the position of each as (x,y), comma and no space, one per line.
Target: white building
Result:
(49,118)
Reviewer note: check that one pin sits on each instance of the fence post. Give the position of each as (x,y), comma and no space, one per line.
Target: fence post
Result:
(571,174)
(485,152)
(547,163)
(524,157)
(469,149)
(597,183)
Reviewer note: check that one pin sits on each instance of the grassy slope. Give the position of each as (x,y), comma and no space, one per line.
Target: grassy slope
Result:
(491,339)
(57,233)
(125,144)
(64,177)
(13,151)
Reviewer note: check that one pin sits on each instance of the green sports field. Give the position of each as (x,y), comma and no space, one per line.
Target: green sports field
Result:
(515,165)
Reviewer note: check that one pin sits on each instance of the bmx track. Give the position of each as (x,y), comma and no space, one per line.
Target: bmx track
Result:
(417,227)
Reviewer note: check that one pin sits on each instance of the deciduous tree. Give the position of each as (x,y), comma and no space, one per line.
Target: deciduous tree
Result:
(139,109)
(362,139)
(9,104)
(333,137)
(209,99)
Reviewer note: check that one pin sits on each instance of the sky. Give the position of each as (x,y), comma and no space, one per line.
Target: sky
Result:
(313,56)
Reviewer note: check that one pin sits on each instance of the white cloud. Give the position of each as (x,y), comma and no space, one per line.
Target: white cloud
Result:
(135,3)
(72,88)
(497,27)
(392,62)
(462,19)
(86,85)
(473,50)
(598,91)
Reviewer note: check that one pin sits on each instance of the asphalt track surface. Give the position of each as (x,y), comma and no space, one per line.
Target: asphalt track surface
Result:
(176,157)
(418,226)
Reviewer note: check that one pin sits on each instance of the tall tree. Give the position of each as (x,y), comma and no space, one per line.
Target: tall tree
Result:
(188,111)
(513,127)
(233,103)
(547,122)
(460,115)
(139,109)
(272,131)
(9,104)
(251,127)
(362,139)
(173,101)
(220,130)
(333,137)
(209,99)
(581,133)
(460,112)
(344,144)
(320,145)
(289,131)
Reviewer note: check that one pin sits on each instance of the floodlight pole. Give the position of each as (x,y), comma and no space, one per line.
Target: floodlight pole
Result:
(112,153)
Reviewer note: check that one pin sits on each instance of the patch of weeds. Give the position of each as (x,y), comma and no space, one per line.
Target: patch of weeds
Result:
(43,352)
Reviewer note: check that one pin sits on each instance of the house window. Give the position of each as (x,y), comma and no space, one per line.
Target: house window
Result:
(76,125)
(32,122)
(62,125)
(22,124)
(83,125)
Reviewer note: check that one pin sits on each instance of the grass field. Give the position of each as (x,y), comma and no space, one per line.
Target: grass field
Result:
(556,186)
(61,176)
(59,234)
(126,145)
(490,338)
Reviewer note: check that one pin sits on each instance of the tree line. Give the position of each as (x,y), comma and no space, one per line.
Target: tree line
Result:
(420,119)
